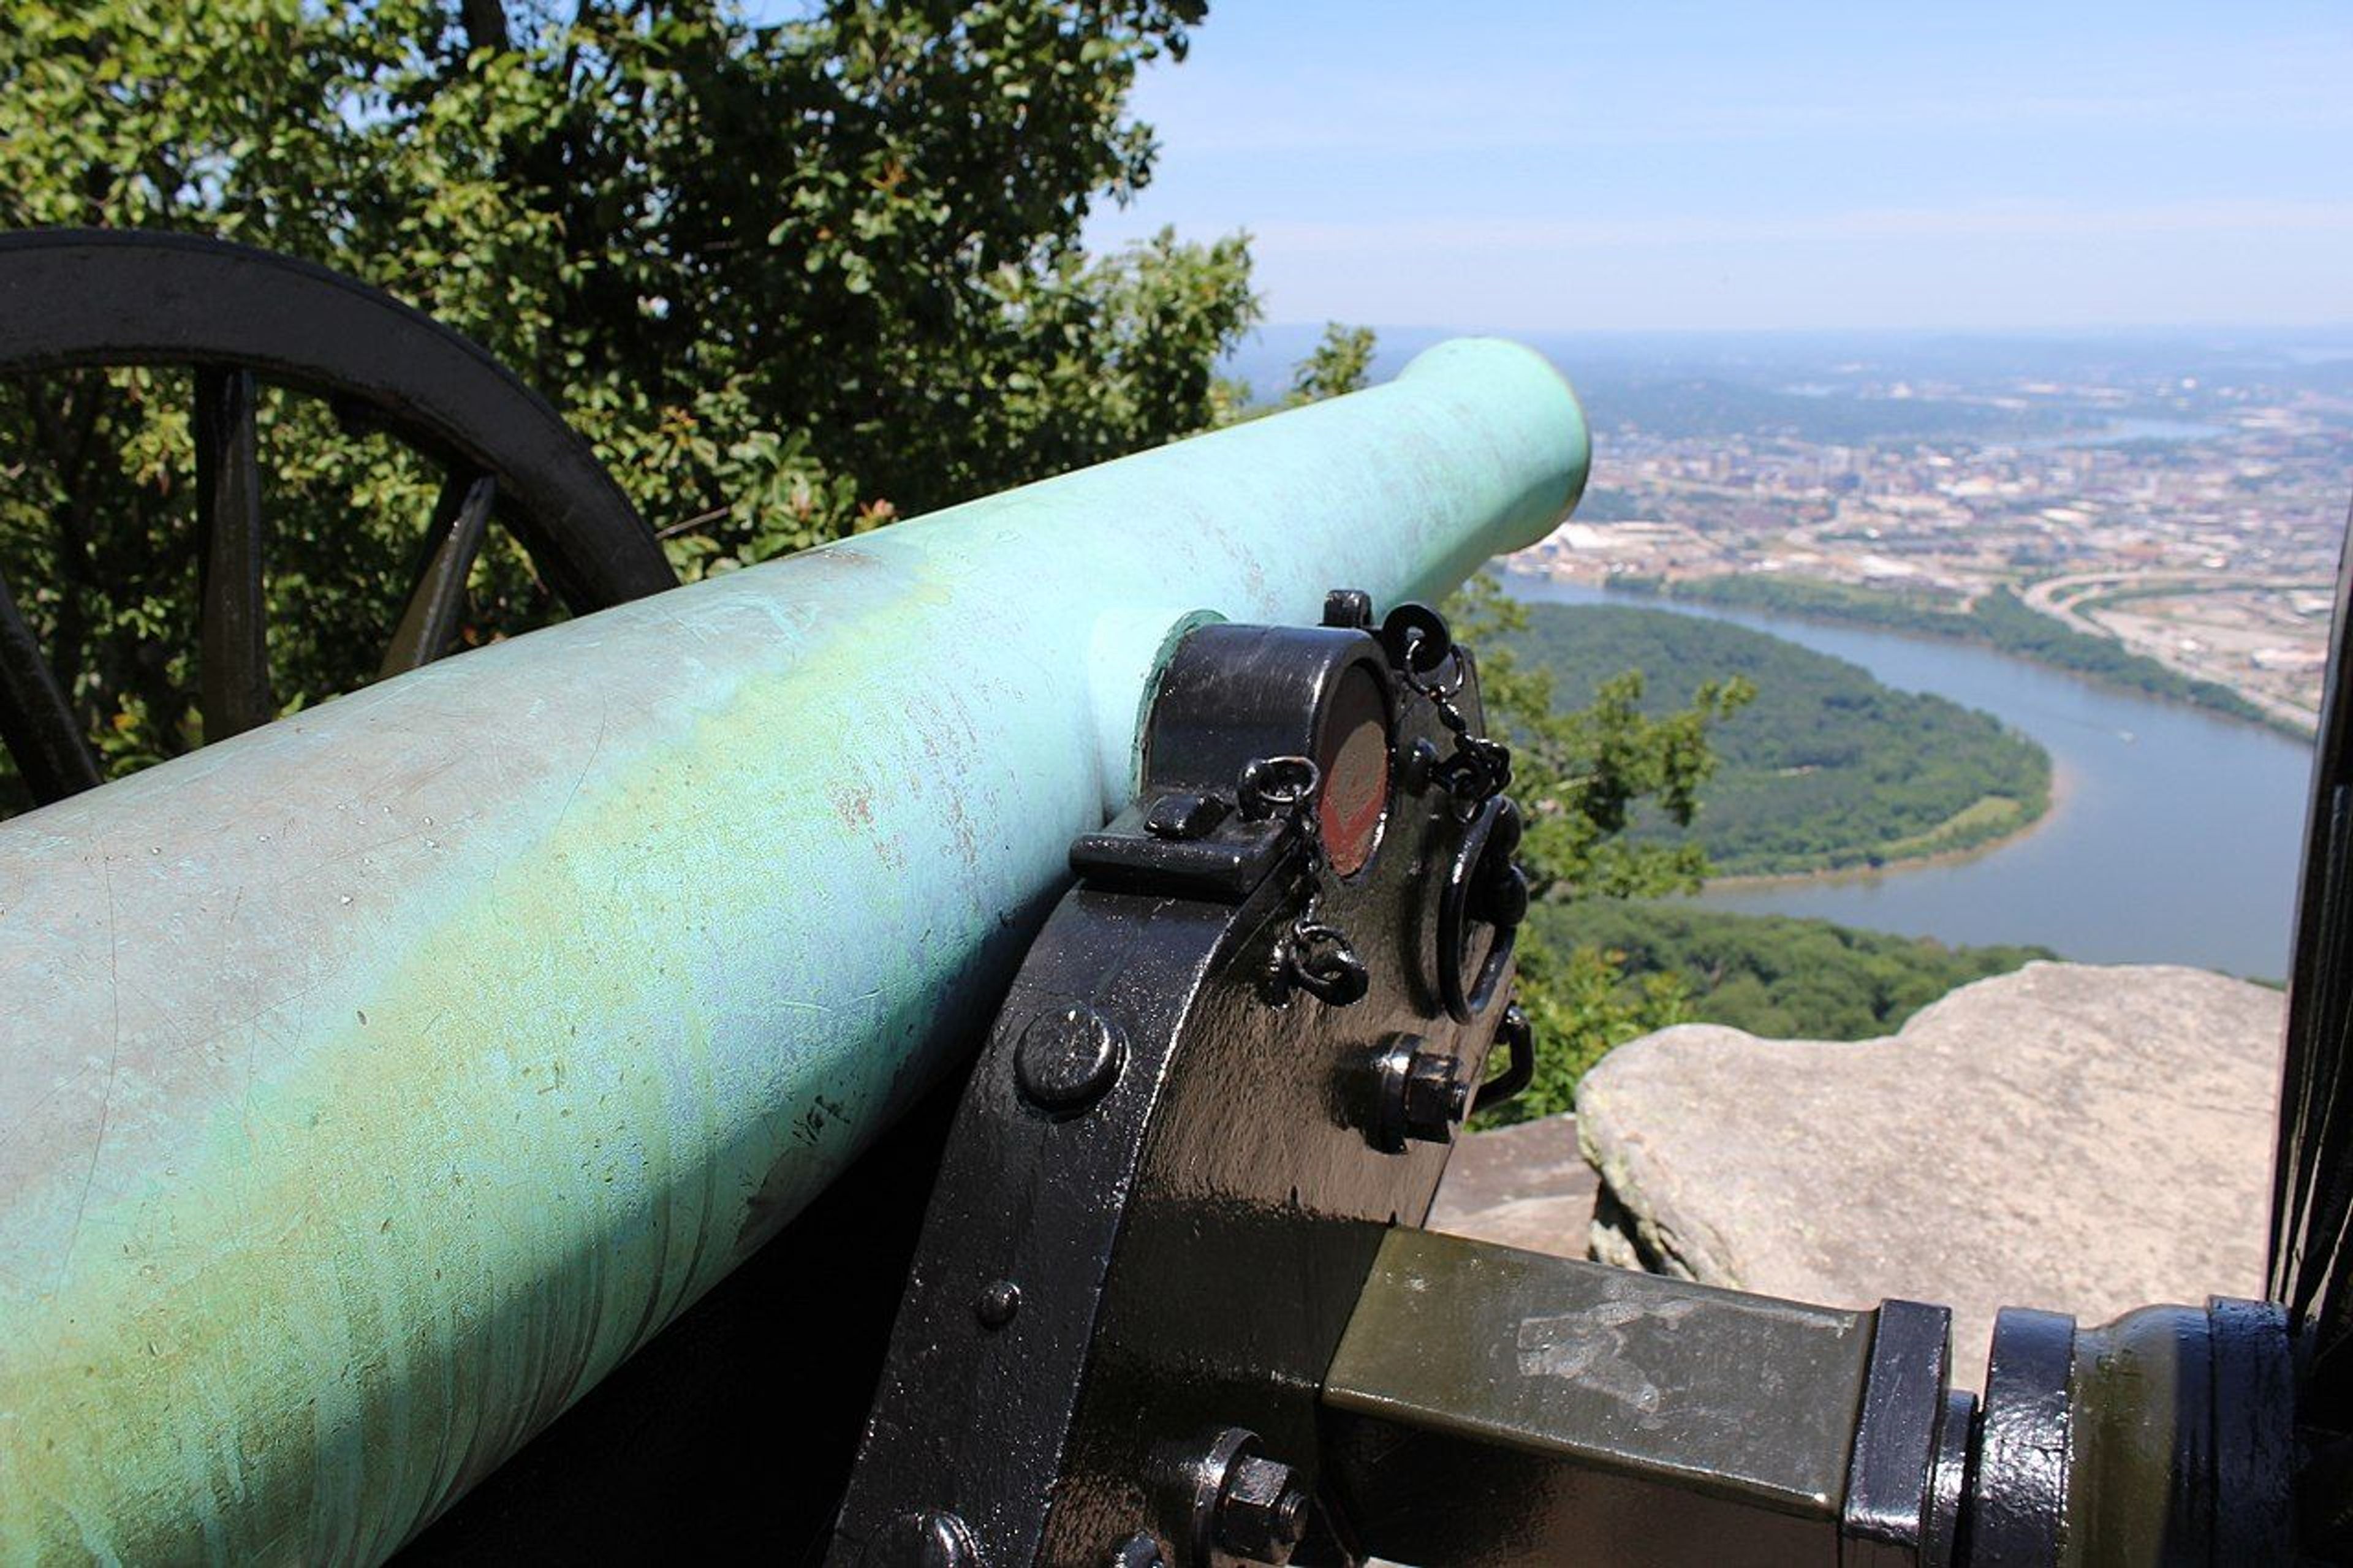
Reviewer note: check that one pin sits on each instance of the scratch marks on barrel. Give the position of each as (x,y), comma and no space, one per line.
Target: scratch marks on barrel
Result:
(113,1066)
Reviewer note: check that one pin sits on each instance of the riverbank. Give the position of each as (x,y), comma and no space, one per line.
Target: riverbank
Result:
(2177,840)
(2001,620)
(2243,623)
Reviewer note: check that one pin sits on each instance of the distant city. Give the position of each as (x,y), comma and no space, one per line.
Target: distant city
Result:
(2187,502)
(2184,496)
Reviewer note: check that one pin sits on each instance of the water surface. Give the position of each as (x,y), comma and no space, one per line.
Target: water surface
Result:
(2176,840)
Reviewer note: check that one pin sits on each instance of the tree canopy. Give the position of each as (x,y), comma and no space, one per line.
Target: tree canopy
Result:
(791,279)
(1773,976)
(1583,774)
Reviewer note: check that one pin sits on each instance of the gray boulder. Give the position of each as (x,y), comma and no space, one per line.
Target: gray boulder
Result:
(2078,1138)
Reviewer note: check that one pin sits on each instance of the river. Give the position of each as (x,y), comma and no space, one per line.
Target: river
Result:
(2176,838)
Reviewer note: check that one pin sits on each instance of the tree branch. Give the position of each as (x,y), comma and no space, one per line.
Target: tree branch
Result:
(486,24)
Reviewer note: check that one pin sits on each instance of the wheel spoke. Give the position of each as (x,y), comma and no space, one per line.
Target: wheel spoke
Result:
(460,518)
(234,658)
(382,370)
(37,722)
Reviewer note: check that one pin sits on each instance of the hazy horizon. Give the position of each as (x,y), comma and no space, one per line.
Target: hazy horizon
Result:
(2321,354)
(1538,167)
(2057,332)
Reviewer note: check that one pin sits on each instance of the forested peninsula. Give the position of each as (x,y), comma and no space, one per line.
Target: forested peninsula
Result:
(1826,769)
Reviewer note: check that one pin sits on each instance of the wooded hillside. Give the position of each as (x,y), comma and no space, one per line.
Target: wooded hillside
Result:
(1826,768)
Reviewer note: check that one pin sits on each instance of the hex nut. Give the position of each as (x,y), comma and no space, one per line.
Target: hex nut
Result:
(1436,1098)
(1416,1094)
(1349,608)
(1261,1516)
(1141,1549)
(1183,816)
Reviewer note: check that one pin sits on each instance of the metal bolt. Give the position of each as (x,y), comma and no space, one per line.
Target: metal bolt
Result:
(1066,1060)
(1262,1517)
(998,1300)
(1435,1096)
(1184,815)
(1421,1095)
(934,1539)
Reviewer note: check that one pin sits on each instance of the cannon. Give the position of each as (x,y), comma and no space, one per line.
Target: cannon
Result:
(937,1050)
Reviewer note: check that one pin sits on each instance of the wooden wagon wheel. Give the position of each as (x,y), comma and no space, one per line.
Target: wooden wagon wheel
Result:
(78,299)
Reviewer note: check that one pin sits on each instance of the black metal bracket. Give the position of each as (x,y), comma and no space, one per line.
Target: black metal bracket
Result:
(1191,1128)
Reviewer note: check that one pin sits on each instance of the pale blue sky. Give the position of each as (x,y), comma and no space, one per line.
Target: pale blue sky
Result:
(1526,166)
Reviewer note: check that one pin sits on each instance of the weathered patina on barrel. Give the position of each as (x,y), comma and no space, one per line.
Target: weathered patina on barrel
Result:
(375,1081)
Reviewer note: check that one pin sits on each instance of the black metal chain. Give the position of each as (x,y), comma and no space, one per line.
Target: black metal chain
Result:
(1481,766)
(1311,954)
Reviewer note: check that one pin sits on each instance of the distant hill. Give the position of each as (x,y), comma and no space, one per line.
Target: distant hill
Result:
(1688,405)
(1828,768)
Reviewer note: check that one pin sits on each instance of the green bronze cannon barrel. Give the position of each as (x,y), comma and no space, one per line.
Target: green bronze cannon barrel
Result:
(375,1081)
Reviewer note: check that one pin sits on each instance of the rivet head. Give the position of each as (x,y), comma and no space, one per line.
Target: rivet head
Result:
(1067,1060)
(997,1301)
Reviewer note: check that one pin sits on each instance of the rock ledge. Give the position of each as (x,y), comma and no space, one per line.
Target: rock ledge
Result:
(2085,1139)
